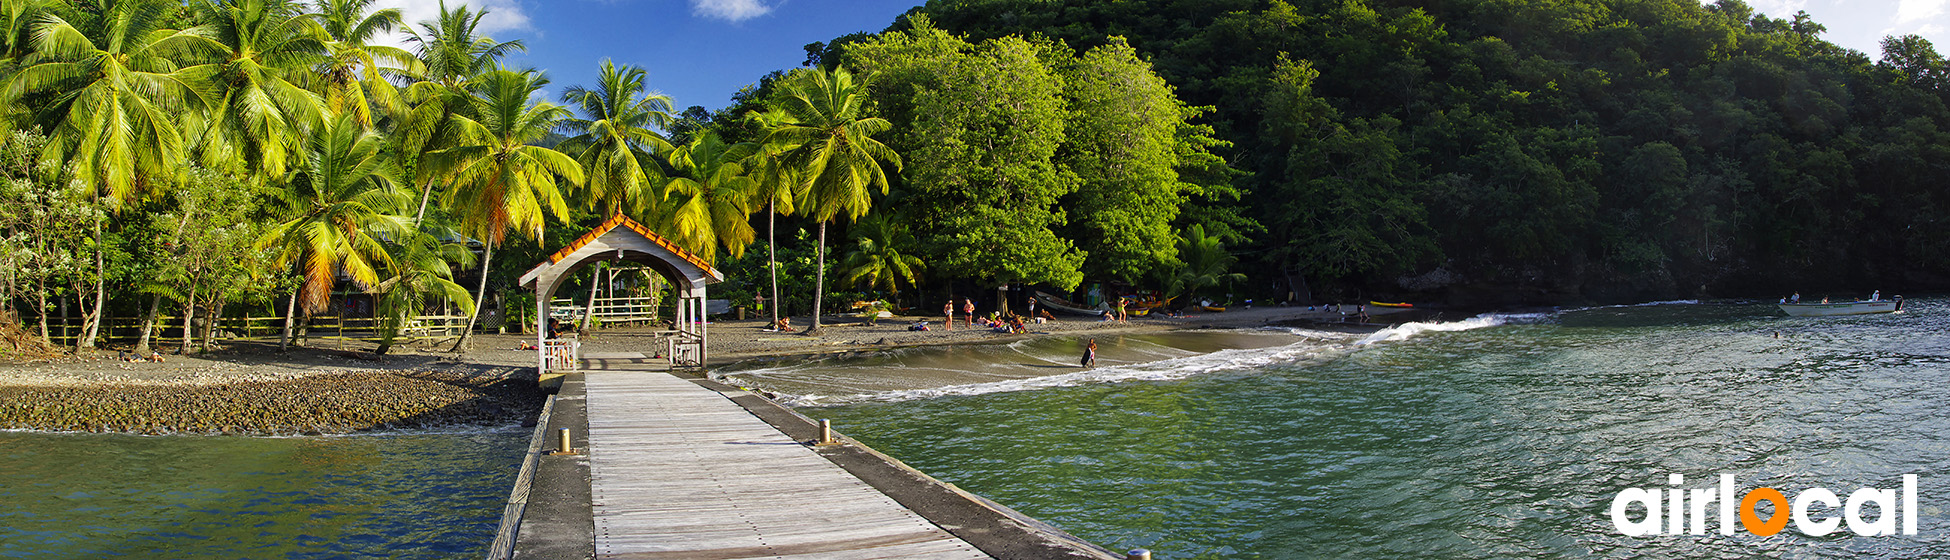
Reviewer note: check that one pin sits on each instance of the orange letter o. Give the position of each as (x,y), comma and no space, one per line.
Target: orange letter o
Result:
(1773,524)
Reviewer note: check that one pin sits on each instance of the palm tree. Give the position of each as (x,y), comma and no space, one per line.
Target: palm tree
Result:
(502,182)
(776,185)
(710,199)
(116,95)
(1206,262)
(830,149)
(877,261)
(352,78)
(263,118)
(614,144)
(452,57)
(419,271)
(335,209)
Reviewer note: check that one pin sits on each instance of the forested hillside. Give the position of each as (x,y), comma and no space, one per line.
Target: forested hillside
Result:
(1504,150)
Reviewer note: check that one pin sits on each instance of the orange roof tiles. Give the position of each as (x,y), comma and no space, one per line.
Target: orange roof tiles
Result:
(620,220)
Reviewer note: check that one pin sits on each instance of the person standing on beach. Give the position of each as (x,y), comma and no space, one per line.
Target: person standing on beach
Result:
(948,310)
(968,308)
(1090,354)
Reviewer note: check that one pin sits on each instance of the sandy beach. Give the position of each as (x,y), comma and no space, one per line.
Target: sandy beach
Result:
(68,393)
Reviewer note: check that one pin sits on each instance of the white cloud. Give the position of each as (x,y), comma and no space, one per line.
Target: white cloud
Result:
(1912,10)
(1777,9)
(729,10)
(502,16)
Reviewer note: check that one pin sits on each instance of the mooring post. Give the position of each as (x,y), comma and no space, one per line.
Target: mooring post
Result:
(1138,554)
(564,442)
(825,432)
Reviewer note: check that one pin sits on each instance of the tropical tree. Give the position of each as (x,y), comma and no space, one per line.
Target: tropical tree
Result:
(111,98)
(710,198)
(501,181)
(777,186)
(878,260)
(419,271)
(114,94)
(263,117)
(615,143)
(452,56)
(336,207)
(828,145)
(352,77)
(1206,264)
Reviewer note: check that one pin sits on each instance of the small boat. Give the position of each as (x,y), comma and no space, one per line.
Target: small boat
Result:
(1139,312)
(1064,305)
(1843,308)
(1213,308)
(1385,304)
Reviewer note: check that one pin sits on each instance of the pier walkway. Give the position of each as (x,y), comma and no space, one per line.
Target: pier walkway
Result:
(680,471)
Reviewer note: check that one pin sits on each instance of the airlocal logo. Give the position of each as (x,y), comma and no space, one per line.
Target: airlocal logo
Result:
(1682,511)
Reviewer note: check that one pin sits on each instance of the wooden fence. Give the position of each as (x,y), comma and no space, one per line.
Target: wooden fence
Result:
(64,330)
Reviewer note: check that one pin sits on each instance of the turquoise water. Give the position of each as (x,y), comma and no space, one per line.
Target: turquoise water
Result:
(1497,437)
(408,495)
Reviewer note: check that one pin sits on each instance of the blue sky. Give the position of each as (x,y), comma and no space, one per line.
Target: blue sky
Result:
(699,52)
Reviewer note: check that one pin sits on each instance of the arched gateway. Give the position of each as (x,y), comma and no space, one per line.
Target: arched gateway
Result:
(623,239)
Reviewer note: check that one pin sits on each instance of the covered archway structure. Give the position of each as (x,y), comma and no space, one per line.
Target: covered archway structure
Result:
(623,239)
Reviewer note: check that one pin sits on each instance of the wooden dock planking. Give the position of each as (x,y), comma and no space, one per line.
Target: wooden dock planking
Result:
(679,472)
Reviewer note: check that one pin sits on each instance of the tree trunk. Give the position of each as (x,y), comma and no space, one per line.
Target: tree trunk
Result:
(215,305)
(819,282)
(290,317)
(422,212)
(771,257)
(93,321)
(41,295)
(589,310)
(480,299)
(189,312)
(148,326)
(149,319)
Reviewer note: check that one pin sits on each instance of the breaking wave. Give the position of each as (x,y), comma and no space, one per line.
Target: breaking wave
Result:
(1315,345)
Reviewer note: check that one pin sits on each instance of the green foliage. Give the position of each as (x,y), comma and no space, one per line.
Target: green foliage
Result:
(1122,142)
(980,127)
(1596,147)
(879,258)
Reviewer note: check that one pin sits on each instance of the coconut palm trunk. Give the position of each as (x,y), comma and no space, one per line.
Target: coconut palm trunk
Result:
(819,280)
(480,298)
(148,326)
(290,318)
(771,257)
(589,309)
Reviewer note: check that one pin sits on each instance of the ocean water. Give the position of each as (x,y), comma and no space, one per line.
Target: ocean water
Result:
(1500,436)
(401,495)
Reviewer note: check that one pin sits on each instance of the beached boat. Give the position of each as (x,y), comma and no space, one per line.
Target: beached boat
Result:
(1064,305)
(1213,308)
(1843,308)
(1385,304)
(1139,312)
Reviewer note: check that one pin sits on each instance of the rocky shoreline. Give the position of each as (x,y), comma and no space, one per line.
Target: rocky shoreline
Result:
(336,403)
(252,389)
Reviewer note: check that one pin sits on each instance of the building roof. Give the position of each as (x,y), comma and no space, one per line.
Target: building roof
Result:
(620,221)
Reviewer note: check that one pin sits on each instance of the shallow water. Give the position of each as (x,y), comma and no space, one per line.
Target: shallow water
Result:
(406,495)
(1505,437)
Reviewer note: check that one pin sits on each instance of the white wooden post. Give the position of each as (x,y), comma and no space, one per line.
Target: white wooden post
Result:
(541,331)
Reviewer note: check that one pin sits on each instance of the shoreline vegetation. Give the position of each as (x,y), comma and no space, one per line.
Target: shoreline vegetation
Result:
(250,389)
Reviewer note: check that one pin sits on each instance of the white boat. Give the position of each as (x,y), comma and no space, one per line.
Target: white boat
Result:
(1843,308)
(1066,306)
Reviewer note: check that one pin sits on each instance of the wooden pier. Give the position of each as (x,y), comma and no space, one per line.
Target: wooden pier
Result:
(680,471)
